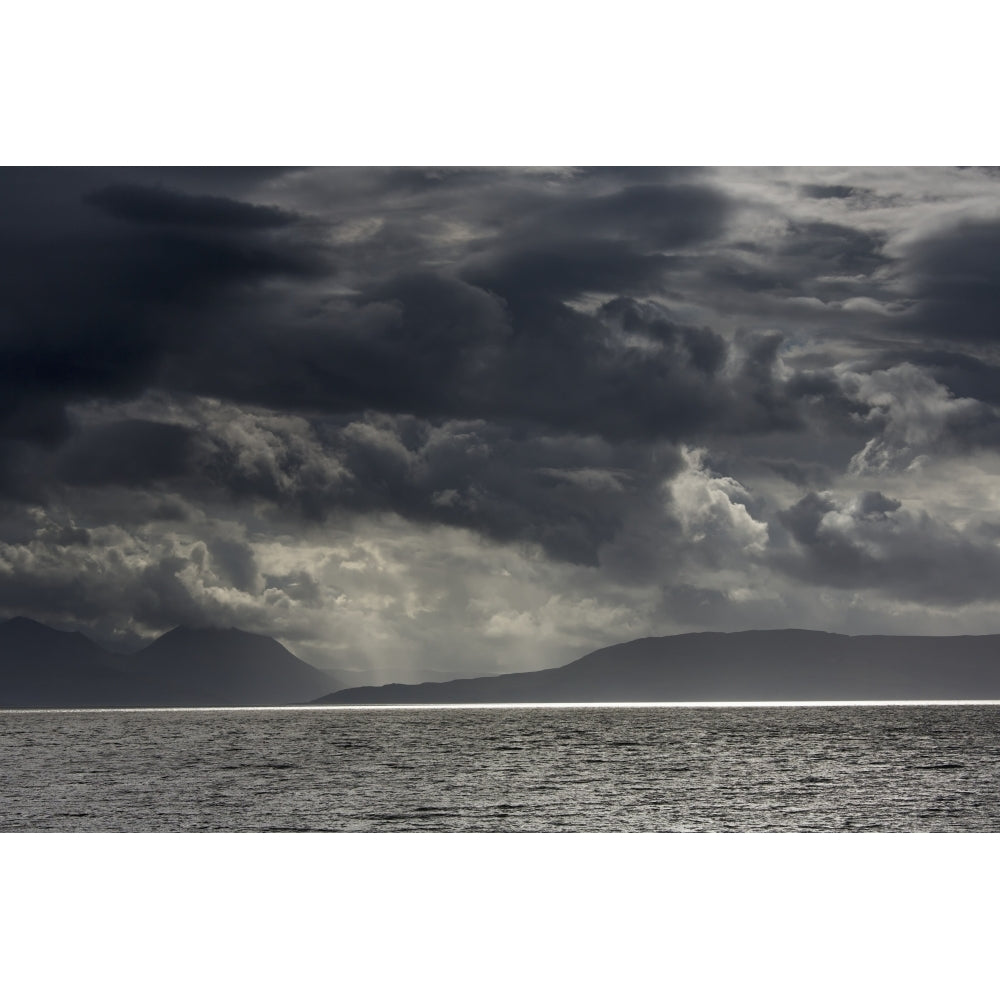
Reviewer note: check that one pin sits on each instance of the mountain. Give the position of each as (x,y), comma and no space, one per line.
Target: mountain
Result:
(779,665)
(229,667)
(42,667)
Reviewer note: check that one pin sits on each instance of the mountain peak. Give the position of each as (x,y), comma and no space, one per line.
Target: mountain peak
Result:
(212,634)
(22,623)
(28,628)
(230,666)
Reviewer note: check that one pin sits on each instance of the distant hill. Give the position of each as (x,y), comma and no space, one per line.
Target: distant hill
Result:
(42,667)
(229,667)
(779,665)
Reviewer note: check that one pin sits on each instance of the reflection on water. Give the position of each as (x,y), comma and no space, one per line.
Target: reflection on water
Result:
(505,769)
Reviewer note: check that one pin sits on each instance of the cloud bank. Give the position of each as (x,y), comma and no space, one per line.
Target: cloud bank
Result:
(422,423)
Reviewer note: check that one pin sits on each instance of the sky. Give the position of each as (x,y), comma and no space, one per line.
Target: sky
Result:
(420,423)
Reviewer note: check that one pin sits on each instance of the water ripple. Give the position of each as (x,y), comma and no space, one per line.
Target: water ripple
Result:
(535,769)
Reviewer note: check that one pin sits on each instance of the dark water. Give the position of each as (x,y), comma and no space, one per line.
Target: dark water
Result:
(859,768)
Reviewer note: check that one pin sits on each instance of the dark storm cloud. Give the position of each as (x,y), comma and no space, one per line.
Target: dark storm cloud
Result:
(701,349)
(955,278)
(127,453)
(223,181)
(557,270)
(161,206)
(235,564)
(649,216)
(91,307)
(159,598)
(643,175)
(170,289)
(566,493)
(613,243)
(434,346)
(825,249)
(800,276)
(818,259)
(822,191)
(165,291)
(629,372)
(519,353)
(415,344)
(164,288)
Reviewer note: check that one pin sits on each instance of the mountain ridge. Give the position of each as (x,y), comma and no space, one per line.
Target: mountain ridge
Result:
(42,667)
(751,665)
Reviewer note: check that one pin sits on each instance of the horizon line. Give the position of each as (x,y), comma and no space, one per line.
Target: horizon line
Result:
(942,702)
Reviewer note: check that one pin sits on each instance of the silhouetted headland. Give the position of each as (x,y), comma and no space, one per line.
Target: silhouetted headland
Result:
(779,665)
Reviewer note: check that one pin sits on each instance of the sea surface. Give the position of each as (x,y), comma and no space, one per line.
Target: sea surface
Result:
(504,769)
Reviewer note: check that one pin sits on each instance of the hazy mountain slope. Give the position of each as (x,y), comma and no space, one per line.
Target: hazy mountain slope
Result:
(230,667)
(775,665)
(42,667)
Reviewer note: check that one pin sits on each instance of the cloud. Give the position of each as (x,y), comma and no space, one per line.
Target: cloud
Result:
(954,283)
(827,190)
(161,206)
(189,292)
(713,511)
(126,452)
(98,316)
(915,417)
(872,542)
(567,493)
(823,249)
(662,216)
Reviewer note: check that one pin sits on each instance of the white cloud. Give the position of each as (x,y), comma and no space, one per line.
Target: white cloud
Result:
(713,508)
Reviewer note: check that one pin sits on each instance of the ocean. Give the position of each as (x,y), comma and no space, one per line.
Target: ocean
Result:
(504,769)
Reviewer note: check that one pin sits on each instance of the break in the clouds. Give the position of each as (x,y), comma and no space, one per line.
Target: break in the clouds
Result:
(418,423)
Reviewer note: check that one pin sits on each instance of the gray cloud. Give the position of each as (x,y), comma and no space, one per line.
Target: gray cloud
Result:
(161,206)
(827,190)
(871,541)
(955,281)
